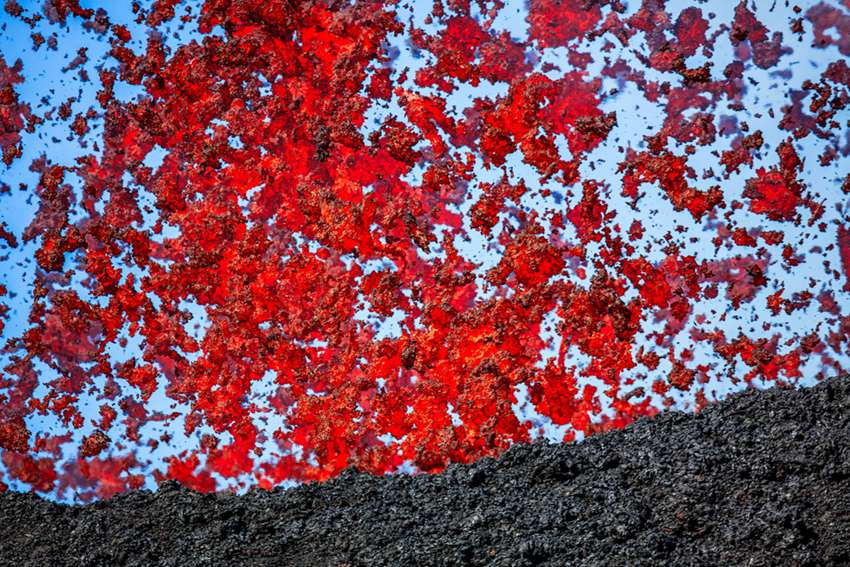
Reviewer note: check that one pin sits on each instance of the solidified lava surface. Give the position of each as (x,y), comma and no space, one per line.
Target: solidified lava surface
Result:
(252,243)
(760,479)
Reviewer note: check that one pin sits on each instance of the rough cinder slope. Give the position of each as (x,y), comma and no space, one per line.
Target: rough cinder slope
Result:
(761,479)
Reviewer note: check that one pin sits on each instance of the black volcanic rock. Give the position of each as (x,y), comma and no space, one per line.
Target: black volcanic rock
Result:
(760,479)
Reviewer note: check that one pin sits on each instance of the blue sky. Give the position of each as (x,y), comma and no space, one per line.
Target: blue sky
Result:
(45,78)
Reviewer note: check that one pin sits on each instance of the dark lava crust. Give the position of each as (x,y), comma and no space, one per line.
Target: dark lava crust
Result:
(761,479)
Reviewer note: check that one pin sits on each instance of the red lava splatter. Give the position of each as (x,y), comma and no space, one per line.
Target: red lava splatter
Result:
(307,231)
(844,250)
(13,114)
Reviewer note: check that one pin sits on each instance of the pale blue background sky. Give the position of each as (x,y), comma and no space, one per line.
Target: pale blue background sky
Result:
(44,78)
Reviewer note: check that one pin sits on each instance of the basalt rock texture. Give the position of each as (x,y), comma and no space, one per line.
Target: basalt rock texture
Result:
(760,479)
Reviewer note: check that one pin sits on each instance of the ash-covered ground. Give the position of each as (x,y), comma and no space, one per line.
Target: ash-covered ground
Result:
(760,479)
